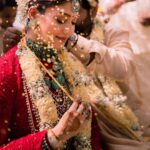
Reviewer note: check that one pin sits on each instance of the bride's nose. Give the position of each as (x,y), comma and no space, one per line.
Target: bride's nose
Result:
(66,30)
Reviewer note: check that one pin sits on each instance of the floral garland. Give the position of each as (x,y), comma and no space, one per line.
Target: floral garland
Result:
(121,117)
(38,90)
(42,98)
(108,100)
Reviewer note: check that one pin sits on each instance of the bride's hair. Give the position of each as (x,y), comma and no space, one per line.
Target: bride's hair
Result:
(43,4)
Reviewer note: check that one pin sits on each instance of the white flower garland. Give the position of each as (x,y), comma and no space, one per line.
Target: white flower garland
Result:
(43,100)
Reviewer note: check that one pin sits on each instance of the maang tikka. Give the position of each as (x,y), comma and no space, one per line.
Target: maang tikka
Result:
(76,6)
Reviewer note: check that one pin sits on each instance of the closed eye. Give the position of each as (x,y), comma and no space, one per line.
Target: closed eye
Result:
(61,19)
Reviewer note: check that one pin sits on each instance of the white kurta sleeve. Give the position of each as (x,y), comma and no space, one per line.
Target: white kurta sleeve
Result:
(114,57)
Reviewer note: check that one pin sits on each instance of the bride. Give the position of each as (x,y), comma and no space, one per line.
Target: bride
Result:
(37,105)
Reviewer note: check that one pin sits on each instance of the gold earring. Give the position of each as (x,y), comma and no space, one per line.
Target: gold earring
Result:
(33,24)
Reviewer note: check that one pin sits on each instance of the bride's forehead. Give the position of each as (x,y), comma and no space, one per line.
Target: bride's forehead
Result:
(62,9)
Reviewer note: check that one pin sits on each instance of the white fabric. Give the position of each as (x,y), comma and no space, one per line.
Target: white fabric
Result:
(138,85)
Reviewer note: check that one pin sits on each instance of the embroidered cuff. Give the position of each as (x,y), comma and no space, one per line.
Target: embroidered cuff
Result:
(99,49)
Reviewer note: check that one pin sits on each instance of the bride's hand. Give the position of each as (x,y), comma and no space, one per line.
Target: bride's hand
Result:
(72,121)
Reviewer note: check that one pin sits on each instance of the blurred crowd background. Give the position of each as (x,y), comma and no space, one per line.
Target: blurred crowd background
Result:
(7,16)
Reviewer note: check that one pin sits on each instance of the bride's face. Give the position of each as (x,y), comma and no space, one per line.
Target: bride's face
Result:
(56,25)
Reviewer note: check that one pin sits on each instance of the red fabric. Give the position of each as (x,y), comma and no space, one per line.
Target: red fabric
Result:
(30,142)
(96,138)
(14,124)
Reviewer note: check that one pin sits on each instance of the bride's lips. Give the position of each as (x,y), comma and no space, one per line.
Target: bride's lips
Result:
(61,38)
